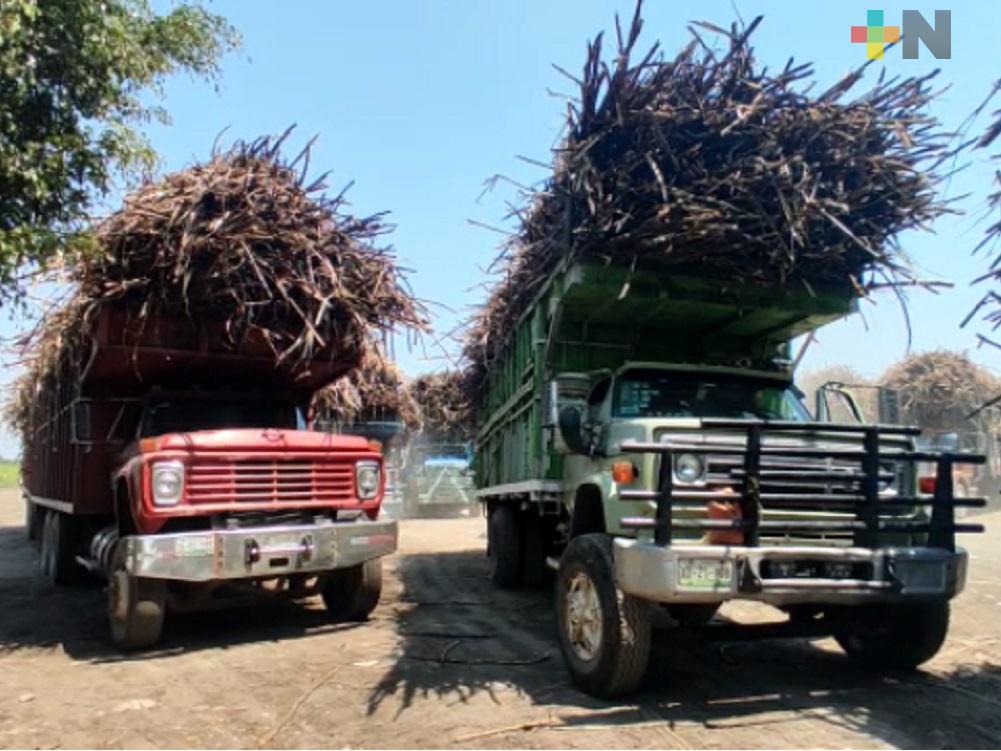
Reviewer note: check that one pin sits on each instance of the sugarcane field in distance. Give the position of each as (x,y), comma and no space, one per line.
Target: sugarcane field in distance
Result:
(602,375)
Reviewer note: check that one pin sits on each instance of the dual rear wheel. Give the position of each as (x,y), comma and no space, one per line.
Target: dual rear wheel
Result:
(517,546)
(57,538)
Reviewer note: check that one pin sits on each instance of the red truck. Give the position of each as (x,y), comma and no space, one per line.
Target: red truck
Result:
(176,465)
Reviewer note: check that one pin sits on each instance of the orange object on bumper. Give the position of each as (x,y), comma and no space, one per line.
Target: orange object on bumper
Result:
(724,510)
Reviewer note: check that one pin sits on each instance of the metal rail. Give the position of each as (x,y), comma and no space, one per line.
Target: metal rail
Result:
(762,486)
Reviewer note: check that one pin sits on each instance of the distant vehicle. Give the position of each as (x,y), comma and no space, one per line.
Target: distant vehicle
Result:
(652,447)
(437,479)
(195,483)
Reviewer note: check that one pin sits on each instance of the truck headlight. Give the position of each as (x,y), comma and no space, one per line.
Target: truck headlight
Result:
(168,483)
(689,468)
(367,479)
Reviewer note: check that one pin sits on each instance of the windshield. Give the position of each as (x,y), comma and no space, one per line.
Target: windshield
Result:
(181,416)
(658,393)
(446,453)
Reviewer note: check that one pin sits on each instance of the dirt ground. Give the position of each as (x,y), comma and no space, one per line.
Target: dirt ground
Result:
(447,661)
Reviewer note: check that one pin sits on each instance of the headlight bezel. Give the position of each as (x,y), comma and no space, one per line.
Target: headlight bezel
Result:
(686,457)
(160,469)
(368,468)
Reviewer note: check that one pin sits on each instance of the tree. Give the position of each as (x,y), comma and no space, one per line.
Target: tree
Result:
(75,79)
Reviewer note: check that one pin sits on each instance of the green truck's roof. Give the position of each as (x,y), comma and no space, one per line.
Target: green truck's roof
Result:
(611,295)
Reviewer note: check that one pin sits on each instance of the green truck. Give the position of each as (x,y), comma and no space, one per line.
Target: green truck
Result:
(640,433)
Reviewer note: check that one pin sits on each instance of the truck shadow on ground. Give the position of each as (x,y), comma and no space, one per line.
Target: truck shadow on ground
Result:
(35,614)
(460,636)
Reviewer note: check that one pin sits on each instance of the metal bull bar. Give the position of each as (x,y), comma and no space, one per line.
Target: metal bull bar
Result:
(758,490)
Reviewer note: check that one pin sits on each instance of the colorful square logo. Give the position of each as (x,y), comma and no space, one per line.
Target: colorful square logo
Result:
(875,34)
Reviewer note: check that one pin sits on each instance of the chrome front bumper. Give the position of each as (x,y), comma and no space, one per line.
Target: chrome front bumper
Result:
(258,552)
(897,574)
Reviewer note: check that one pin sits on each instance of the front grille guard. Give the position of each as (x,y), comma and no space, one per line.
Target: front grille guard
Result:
(757,489)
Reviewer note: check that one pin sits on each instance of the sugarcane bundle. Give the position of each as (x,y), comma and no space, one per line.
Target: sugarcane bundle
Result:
(374,390)
(941,390)
(710,165)
(243,240)
(444,405)
(988,309)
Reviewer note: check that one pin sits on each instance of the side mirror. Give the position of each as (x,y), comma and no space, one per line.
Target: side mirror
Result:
(572,430)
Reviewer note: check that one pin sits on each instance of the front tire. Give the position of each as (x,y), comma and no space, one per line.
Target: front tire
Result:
(136,606)
(604,633)
(351,594)
(893,637)
(504,546)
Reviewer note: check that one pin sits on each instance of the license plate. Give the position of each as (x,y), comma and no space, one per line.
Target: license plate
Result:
(704,573)
(193,547)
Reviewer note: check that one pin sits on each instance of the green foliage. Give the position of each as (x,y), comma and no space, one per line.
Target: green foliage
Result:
(75,81)
(9,474)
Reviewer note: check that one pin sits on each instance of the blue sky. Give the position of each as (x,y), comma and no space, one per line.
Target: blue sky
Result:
(420,102)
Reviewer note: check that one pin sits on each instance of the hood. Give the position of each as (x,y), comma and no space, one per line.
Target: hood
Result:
(233,440)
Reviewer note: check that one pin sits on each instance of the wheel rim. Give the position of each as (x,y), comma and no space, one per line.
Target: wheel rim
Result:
(583,617)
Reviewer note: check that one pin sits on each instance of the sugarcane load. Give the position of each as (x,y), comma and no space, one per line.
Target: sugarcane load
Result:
(637,427)
(162,406)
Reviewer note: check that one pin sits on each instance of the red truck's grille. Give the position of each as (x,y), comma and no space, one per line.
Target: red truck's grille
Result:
(263,481)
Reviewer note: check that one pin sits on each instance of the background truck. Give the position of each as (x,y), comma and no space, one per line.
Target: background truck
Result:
(437,478)
(642,432)
(177,467)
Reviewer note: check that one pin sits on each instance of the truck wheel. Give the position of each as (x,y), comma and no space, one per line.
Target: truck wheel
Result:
(604,634)
(136,607)
(351,594)
(504,546)
(32,520)
(893,637)
(535,571)
(58,548)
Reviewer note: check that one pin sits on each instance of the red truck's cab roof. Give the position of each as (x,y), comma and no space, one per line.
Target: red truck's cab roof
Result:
(129,357)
